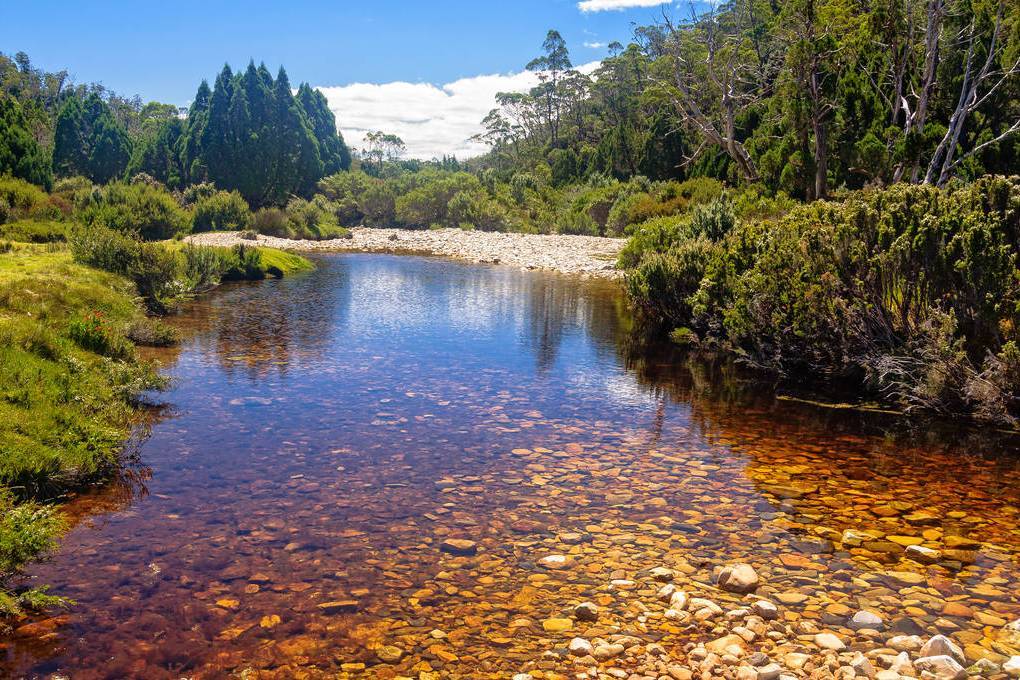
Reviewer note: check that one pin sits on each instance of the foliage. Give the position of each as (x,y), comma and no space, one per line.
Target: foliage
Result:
(143,209)
(20,199)
(35,231)
(221,211)
(912,290)
(271,222)
(250,134)
(89,141)
(20,154)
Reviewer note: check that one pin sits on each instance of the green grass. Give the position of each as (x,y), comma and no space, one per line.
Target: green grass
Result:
(64,406)
(284,262)
(69,375)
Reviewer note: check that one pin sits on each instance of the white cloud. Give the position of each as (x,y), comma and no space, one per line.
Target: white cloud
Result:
(432,120)
(594,45)
(616,5)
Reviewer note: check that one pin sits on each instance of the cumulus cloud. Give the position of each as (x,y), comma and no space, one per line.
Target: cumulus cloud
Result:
(595,45)
(616,5)
(433,120)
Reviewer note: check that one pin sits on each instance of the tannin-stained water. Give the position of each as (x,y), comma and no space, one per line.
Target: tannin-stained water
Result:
(326,433)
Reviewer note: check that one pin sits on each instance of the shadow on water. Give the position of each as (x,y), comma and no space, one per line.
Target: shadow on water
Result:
(331,430)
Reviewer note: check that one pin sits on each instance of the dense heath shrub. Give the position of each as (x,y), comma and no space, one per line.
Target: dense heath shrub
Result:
(221,211)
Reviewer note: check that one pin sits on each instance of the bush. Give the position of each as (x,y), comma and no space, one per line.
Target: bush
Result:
(713,220)
(148,211)
(244,264)
(203,266)
(21,200)
(313,220)
(272,222)
(103,248)
(155,271)
(578,224)
(658,235)
(32,231)
(665,283)
(91,332)
(698,190)
(222,211)
(196,192)
(911,290)
(27,531)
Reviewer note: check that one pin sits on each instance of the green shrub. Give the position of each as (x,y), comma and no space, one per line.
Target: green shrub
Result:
(713,220)
(197,192)
(155,271)
(698,190)
(244,264)
(27,531)
(911,290)
(21,200)
(272,222)
(577,223)
(665,283)
(91,332)
(313,220)
(222,211)
(142,209)
(35,231)
(103,248)
(658,235)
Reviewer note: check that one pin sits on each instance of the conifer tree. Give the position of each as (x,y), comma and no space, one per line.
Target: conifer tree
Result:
(20,154)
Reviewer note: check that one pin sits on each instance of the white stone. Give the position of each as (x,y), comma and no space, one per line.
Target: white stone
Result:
(580,647)
(905,643)
(554,561)
(766,610)
(943,667)
(1012,667)
(737,578)
(940,645)
(829,641)
(866,619)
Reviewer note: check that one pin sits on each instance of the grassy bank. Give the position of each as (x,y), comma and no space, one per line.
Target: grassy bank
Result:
(911,292)
(71,373)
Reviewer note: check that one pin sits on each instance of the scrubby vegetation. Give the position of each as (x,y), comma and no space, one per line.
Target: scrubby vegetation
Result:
(911,291)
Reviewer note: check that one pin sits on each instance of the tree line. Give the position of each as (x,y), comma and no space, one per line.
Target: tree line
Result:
(800,96)
(248,133)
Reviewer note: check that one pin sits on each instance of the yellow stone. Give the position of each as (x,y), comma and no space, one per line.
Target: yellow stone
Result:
(227,603)
(905,540)
(270,621)
(557,625)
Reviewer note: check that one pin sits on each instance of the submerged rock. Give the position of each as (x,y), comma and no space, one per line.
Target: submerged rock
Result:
(737,578)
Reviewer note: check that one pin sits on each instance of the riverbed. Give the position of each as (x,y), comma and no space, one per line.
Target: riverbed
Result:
(404,466)
(588,256)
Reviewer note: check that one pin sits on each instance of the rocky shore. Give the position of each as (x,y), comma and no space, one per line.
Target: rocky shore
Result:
(726,629)
(583,255)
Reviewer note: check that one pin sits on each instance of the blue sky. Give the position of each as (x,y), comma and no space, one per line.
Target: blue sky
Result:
(161,51)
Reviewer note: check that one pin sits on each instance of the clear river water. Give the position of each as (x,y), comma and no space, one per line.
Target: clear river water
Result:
(326,435)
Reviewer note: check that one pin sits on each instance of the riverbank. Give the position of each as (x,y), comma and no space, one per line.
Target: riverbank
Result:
(72,377)
(591,256)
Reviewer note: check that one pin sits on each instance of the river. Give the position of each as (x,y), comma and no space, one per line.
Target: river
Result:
(327,433)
